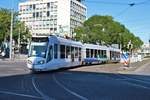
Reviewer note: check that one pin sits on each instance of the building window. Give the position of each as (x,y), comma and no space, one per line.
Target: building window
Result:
(33,15)
(48,13)
(37,14)
(52,3)
(34,6)
(40,14)
(51,29)
(30,6)
(48,5)
(55,29)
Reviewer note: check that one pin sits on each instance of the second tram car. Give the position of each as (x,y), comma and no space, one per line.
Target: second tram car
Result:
(55,52)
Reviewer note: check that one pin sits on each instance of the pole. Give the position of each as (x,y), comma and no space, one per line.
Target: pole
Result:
(129,56)
(11,31)
(19,42)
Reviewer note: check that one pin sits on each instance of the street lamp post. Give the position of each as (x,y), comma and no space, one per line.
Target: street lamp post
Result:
(19,42)
(130,46)
(120,43)
(11,32)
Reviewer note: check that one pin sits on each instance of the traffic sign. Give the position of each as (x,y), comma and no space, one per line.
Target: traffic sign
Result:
(125,57)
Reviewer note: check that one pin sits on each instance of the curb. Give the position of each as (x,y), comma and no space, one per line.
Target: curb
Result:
(142,67)
(12,60)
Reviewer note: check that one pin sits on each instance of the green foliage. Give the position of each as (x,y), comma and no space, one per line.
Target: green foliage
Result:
(104,30)
(5,22)
(21,29)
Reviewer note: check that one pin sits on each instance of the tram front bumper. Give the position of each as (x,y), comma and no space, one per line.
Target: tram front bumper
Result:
(37,67)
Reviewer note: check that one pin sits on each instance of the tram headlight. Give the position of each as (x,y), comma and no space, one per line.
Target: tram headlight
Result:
(29,62)
(41,62)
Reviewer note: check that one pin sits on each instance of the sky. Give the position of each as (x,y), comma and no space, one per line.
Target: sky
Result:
(135,17)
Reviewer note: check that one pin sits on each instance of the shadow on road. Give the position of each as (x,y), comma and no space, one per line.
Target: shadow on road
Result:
(92,85)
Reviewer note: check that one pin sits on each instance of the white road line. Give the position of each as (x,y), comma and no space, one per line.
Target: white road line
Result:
(18,94)
(134,84)
(45,97)
(71,92)
(66,73)
(135,79)
(137,85)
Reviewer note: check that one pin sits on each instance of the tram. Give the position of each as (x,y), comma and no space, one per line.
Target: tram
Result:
(54,52)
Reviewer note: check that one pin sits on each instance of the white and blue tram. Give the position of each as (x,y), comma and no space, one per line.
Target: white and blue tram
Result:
(114,55)
(94,54)
(55,52)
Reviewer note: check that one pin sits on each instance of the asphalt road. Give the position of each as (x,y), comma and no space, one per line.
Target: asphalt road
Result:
(17,83)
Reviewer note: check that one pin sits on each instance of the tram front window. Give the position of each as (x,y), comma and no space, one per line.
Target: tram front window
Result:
(38,51)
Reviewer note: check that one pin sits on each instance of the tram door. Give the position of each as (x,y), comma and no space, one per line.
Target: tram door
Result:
(72,54)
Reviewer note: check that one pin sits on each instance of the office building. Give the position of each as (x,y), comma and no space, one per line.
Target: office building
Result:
(46,17)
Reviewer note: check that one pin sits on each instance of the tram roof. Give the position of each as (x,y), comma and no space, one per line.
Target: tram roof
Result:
(102,47)
(60,40)
(114,49)
(94,46)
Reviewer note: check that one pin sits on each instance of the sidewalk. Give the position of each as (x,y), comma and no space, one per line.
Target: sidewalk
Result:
(143,70)
(16,58)
(134,67)
(112,68)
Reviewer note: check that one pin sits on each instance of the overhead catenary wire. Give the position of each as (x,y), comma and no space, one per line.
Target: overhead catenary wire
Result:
(122,12)
(105,2)
(116,3)
(129,5)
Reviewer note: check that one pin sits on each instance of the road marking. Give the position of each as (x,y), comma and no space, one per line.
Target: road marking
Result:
(70,91)
(134,84)
(45,97)
(18,94)
(137,85)
(138,80)
(65,73)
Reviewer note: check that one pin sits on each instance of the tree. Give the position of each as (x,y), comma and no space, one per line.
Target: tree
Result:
(22,32)
(103,29)
(5,21)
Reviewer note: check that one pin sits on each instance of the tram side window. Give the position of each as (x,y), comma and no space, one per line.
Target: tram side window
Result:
(114,54)
(72,54)
(110,55)
(104,52)
(118,55)
(95,55)
(76,52)
(62,51)
(55,51)
(67,51)
(79,54)
(87,53)
(101,53)
(98,53)
(91,53)
(50,54)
